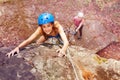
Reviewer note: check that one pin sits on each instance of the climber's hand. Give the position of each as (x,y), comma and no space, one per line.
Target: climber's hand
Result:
(74,33)
(13,52)
(61,53)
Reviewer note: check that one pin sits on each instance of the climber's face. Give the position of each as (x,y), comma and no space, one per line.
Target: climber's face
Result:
(47,28)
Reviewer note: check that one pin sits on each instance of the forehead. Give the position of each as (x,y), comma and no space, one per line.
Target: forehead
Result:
(48,24)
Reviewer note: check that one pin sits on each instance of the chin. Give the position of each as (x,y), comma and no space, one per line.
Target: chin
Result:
(47,32)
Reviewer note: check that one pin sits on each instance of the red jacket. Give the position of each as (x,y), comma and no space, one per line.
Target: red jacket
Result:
(77,21)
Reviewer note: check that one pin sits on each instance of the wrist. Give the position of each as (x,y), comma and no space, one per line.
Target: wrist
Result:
(17,48)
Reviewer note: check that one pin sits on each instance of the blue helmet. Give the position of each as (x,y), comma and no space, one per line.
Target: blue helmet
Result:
(45,18)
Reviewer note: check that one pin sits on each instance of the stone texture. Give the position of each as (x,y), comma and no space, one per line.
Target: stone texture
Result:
(110,69)
(20,17)
(47,66)
(101,68)
(98,37)
(111,51)
(14,68)
(18,20)
(40,62)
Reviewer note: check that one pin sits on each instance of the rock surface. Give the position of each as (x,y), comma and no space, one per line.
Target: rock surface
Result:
(14,68)
(111,51)
(20,17)
(41,63)
(96,37)
(18,20)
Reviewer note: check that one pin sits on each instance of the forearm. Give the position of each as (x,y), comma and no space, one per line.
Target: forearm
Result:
(30,39)
(65,46)
(63,37)
(80,25)
(23,44)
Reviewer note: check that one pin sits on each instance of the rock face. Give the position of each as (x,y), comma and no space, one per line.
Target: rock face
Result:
(95,36)
(110,69)
(111,51)
(18,20)
(20,17)
(41,63)
(46,64)
(92,64)
(14,68)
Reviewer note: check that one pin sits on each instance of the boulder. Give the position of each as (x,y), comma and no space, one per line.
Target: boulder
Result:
(111,51)
(40,62)
(95,36)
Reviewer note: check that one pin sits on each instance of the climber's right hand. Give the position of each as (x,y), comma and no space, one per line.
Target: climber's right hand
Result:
(74,33)
(13,52)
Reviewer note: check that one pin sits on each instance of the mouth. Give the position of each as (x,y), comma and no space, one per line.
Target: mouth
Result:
(48,32)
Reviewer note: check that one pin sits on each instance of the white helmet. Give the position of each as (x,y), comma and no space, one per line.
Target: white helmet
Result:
(80,14)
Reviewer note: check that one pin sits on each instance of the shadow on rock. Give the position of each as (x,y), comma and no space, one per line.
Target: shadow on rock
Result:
(14,68)
(111,51)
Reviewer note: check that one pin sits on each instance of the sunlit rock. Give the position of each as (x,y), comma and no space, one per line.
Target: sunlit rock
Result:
(111,51)
(95,36)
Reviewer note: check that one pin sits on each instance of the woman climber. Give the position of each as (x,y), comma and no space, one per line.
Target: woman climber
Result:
(48,28)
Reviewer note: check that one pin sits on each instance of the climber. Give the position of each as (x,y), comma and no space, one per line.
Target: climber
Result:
(48,28)
(78,22)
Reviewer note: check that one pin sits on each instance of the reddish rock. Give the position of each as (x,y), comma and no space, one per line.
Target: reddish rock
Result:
(95,36)
(18,19)
(111,51)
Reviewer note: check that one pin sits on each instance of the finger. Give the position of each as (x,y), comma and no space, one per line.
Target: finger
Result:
(58,51)
(61,55)
(8,55)
(13,53)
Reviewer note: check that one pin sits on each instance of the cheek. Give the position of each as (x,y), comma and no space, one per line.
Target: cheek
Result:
(50,28)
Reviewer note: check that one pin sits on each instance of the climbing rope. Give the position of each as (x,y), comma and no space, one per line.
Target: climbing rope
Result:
(68,54)
(71,61)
